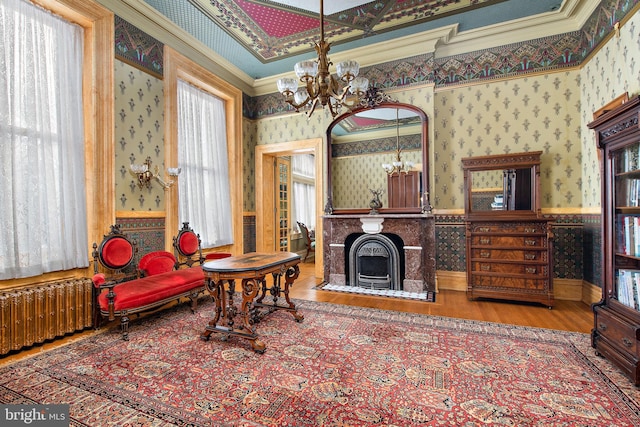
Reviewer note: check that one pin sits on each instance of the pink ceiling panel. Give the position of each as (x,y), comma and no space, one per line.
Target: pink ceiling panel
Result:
(276,22)
(367,122)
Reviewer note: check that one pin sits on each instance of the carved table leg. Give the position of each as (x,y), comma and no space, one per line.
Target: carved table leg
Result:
(250,288)
(292,274)
(215,289)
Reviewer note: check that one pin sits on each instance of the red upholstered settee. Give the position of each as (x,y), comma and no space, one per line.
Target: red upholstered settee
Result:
(123,288)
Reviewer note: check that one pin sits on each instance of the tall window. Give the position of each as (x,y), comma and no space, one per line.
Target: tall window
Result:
(204,195)
(42,177)
(304,189)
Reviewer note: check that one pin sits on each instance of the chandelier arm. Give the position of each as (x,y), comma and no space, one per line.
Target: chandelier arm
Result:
(313,106)
(298,106)
(313,88)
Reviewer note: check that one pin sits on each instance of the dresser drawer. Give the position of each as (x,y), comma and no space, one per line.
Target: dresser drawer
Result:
(506,240)
(510,228)
(509,254)
(518,268)
(618,332)
(509,282)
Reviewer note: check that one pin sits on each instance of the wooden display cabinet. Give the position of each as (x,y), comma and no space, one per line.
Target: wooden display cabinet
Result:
(509,243)
(616,331)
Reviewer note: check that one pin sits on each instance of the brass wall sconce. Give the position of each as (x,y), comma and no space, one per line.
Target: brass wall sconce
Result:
(145,176)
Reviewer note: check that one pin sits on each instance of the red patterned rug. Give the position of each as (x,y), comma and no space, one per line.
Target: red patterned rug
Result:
(342,366)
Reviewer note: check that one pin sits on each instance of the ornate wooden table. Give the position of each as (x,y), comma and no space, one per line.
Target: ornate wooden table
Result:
(251,269)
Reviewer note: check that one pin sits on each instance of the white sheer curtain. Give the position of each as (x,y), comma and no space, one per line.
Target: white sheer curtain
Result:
(304,189)
(204,194)
(42,179)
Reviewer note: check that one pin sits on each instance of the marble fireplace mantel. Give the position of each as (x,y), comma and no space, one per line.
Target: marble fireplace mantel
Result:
(417,232)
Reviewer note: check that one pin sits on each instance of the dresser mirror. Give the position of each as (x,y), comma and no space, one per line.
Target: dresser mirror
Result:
(502,185)
(360,142)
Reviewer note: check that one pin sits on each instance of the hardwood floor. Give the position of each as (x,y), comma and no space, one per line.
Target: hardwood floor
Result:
(565,315)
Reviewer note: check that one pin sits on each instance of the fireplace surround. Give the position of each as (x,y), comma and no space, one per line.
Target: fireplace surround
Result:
(416,232)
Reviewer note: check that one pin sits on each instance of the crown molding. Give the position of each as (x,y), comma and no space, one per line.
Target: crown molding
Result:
(394,50)
(152,22)
(571,16)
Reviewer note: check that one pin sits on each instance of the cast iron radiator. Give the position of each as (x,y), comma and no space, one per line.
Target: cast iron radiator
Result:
(43,312)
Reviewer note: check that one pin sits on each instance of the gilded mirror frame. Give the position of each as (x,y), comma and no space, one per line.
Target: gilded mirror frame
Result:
(425,203)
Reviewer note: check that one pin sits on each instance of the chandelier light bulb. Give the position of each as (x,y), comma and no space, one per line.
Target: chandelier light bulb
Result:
(301,95)
(348,70)
(306,70)
(287,86)
(359,85)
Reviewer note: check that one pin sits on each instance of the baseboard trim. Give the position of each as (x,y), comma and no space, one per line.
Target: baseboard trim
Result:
(563,289)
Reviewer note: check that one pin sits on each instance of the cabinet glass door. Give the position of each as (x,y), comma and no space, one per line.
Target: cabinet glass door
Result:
(626,167)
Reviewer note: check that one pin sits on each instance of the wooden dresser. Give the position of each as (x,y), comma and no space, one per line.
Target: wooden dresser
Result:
(509,245)
(510,260)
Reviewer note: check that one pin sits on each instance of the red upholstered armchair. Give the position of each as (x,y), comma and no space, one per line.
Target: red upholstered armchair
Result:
(159,279)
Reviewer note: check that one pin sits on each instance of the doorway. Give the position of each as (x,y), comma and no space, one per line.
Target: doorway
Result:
(266,197)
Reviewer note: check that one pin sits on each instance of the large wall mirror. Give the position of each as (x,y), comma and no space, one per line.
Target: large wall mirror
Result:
(502,185)
(365,141)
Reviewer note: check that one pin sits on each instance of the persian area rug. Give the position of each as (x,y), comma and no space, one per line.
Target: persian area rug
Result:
(341,366)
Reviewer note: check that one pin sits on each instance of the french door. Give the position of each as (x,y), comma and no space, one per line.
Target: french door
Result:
(283,204)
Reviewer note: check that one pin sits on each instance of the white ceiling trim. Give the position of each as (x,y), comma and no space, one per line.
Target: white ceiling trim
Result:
(570,17)
(392,50)
(152,22)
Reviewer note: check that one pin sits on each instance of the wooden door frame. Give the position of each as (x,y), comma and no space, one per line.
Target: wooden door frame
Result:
(265,192)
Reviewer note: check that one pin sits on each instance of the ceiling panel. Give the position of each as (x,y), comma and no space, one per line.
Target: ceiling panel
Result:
(265,38)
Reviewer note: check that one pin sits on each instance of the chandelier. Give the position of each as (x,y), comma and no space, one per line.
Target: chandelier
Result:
(319,85)
(398,165)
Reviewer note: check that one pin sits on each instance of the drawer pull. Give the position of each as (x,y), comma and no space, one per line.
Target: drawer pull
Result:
(529,230)
(530,242)
(484,229)
(529,256)
(485,267)
(627,342)
(531,270)
(485,241)
(485,254)
(603,326)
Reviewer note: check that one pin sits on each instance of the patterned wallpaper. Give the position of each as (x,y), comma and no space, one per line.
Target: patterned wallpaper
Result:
(615,69)
(249,136)
(139,133)
(527,114)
